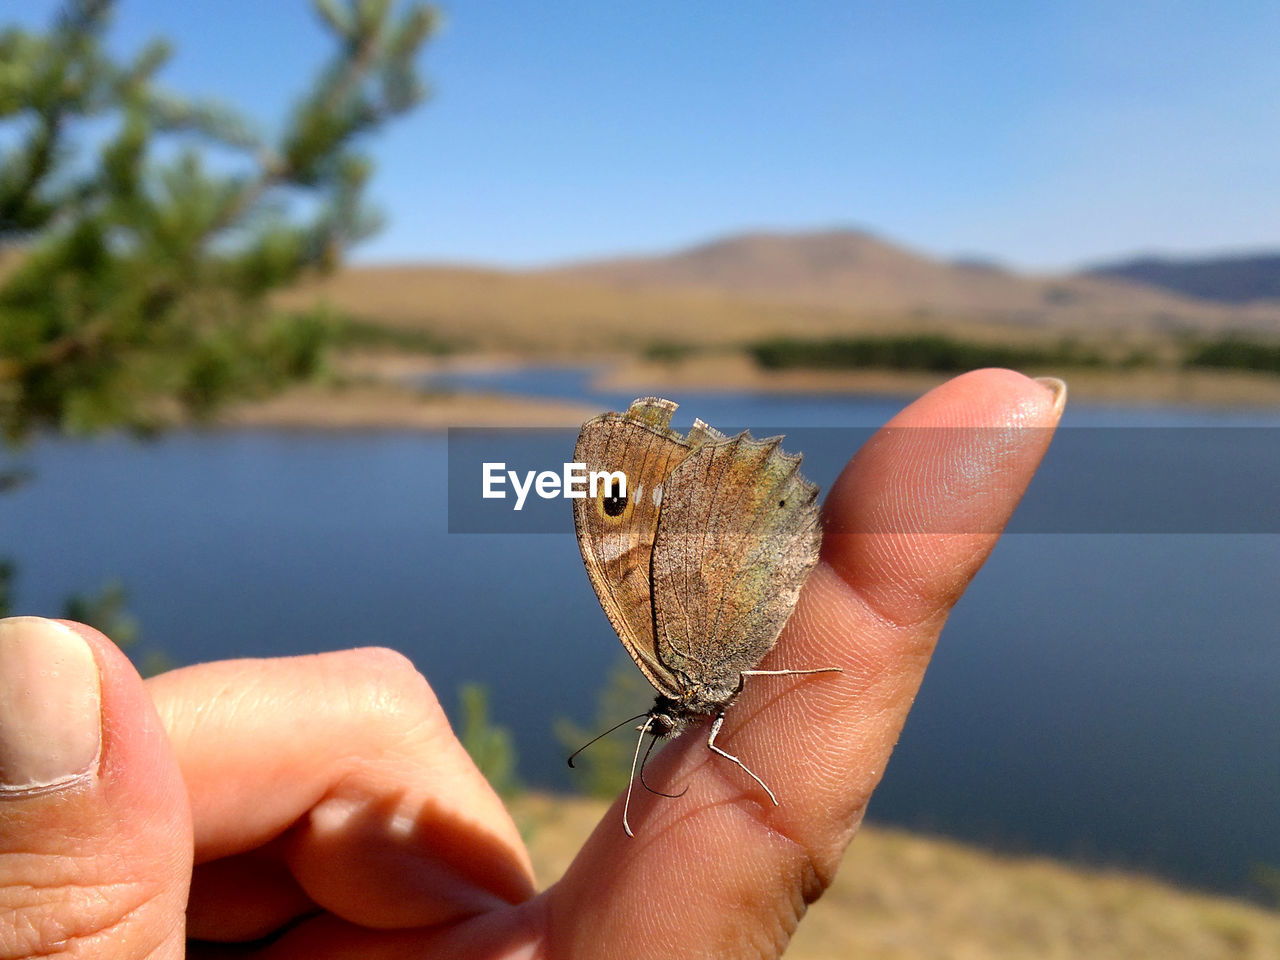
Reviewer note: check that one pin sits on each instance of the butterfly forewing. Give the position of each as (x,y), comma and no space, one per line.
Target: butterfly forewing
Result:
(616,533)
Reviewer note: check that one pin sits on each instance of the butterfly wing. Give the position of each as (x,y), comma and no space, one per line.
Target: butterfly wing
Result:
(616,535)
(737,537)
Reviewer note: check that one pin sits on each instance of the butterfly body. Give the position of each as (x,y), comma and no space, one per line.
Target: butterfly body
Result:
(697,550)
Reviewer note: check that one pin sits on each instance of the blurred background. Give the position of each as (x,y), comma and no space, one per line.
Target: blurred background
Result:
(256,259)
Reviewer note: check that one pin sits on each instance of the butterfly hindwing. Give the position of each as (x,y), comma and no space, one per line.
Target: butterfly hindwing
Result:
(737,537)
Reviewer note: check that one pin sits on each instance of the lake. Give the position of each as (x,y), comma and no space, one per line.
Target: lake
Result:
(1106,690)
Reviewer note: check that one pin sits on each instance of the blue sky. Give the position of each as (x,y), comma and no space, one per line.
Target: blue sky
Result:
(1043,135)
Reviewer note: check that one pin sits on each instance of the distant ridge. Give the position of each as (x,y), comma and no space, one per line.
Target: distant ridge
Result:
(1225,279)
(856,270)
(754,286)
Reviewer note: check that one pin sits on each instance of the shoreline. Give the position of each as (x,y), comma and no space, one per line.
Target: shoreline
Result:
(387,406)
(374,395)
(1146,387)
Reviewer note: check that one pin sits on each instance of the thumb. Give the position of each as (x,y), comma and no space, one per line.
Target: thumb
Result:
(95,827)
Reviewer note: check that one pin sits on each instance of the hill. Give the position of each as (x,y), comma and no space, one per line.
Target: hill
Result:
(1226,279)
(856,271)
(815,303)
(751,286)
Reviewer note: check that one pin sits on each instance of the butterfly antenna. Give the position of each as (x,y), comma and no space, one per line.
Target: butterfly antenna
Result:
(643,763)
(605,734)
(626,806)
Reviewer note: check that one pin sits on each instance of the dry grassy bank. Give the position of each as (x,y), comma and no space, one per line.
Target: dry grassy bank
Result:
(540,314)
(672,338)
(900,896)
(736,371)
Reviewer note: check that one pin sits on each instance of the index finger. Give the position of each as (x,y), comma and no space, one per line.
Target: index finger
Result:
(722,871)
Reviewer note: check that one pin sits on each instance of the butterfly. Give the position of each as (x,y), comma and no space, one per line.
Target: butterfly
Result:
(697,546)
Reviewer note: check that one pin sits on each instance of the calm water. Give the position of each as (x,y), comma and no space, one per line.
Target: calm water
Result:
(1103,695)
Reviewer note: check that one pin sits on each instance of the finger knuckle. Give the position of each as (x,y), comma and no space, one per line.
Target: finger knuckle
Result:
(385,686)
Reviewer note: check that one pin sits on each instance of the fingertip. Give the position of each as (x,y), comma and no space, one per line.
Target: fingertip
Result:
(99,825)
(989,397)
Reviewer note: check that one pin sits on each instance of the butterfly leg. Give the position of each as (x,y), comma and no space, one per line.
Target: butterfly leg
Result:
(742,677)
(784,673)
(711,745)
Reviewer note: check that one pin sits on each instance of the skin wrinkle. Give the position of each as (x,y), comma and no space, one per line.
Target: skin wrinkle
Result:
(89,926)
(384,685)
(183,717)
(826,585)
(415,712)
(758,815)
(407,711)
(88,908)
(394,680)
(859,659)
(883,677)
(562,902)
(913,474)
(986,470)
(877,606)
(527,929)
(804,863)
(341,765)
(787,910)
(740,889)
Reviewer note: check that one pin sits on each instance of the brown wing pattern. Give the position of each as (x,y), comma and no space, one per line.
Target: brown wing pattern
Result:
(738,535)
(616,538)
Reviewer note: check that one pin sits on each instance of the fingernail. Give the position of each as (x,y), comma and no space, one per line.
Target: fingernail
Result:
(1059,390)
(50,706)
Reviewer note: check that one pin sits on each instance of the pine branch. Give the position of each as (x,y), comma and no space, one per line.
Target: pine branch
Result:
(142,284)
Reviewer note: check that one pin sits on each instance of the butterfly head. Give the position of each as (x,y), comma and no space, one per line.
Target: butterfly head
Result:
(668,718)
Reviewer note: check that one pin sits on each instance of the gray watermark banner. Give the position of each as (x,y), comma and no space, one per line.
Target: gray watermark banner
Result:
(1223,480)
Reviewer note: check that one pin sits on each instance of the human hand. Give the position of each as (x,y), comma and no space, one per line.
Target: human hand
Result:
(330,813)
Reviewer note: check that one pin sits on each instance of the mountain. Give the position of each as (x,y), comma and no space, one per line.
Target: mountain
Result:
(851,270)
(754,286)
(1225,279)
